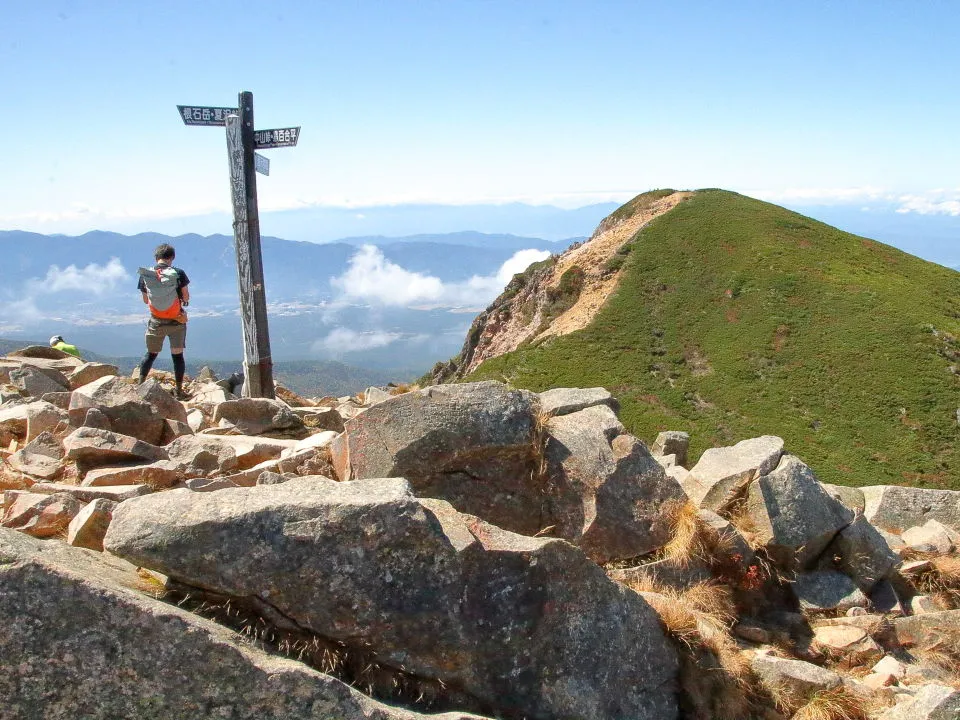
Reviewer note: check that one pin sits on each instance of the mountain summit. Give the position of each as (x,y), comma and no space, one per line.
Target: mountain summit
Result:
(729,318)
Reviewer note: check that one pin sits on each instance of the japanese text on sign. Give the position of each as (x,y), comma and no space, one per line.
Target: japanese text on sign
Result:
(205,115)
(283,137)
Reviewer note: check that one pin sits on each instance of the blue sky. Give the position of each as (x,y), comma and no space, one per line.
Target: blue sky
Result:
(462,102)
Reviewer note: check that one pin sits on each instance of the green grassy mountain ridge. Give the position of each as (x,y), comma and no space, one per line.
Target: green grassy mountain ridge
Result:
(734,318)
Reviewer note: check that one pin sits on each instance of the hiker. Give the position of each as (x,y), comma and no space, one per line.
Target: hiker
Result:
(57,343)
(164,290)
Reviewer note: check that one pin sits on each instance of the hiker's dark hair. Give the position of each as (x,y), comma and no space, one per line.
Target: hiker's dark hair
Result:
(164,252)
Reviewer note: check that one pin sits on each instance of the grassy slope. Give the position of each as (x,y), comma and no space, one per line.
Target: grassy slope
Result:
(839,344)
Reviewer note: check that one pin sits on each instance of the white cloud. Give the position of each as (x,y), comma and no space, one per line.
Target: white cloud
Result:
(97,279)
(935,202)
(343,340)
(372,278)
(823,196)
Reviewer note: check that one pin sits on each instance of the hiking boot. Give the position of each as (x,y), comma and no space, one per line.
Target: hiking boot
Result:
(180,394)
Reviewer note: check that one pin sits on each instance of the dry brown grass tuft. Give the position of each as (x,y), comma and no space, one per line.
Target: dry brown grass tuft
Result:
(836,704)
(942,580)
(691,539)
(715,676)
(402,388)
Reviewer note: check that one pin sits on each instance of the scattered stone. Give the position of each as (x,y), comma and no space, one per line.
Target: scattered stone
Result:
(795,518)
(123,403)
(34,381)
(875,681)
(272,478)
(912,568)
(195,420)
(90,524)
(43,416)
(374,396)
(893,540)
(927,629)
(895,508)
(752,633)
(863,553)
(666,461)
(116,493)
(850,497)
(797,676)
(889,665)
(93,447)
(96,418)
(721,474)
(90,371)
(317,440)
(920,604)
(40,458)
(852,643)
(931,537)
(38,514)
(158,476)
(563,401)
(169,408)
(251,450)
(60,399)
(201,456)
(13,423)
(672,442)
(320,418)
(202,484)
(827,590)
(258,416)
(932,702)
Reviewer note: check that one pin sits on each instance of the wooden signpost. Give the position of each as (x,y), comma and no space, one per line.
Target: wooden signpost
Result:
(242,141)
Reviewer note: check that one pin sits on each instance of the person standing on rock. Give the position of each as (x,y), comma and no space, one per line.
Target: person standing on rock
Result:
(165,293)
(58,343)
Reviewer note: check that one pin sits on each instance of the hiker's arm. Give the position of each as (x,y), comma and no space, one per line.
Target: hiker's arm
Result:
(145,301)
(185,295)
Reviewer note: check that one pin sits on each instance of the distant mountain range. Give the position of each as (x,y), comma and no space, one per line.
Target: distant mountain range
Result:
(396,306)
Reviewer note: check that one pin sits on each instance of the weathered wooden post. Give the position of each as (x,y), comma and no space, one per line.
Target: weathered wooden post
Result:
(257,361)
(245,163)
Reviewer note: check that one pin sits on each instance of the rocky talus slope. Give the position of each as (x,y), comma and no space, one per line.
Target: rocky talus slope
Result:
(455,551)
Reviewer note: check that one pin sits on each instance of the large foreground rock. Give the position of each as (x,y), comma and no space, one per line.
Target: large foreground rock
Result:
(473,445)
(895,509)
(603,489)
(528,625)
(79,643)
(795,517)
(722,473)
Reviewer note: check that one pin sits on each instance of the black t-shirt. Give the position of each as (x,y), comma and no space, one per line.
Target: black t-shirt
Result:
(182,279)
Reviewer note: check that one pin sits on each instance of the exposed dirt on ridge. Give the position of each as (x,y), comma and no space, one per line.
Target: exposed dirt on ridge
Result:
(525,316)
(592,257)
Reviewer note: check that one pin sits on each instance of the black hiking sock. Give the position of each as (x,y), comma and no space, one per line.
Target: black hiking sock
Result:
(146,364)
(179,368)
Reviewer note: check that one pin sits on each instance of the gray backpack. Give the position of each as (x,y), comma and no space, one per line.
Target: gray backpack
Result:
(163,296)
